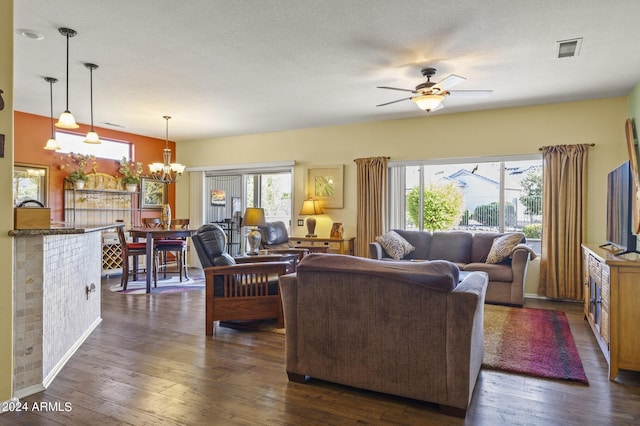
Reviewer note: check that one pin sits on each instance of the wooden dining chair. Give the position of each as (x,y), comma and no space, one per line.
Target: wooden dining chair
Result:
(177,246)
(129,249)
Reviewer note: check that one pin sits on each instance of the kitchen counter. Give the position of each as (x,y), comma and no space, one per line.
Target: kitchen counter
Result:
(56,299)
(61,230)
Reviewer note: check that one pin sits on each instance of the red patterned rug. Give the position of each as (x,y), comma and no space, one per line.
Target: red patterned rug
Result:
(536,342)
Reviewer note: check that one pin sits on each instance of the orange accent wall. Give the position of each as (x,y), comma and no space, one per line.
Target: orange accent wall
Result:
(32,131)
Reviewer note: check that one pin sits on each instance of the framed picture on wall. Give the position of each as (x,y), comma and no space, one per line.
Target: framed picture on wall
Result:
(324,183)
(30,182)
(153,194)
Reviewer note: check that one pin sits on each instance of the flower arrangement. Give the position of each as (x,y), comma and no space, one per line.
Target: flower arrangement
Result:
(131,171)
(77,163)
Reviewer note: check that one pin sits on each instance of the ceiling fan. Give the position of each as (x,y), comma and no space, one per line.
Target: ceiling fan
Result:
(429,95)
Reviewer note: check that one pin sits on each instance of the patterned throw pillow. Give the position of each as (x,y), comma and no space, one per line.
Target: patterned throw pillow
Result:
(396,246)
(503,246)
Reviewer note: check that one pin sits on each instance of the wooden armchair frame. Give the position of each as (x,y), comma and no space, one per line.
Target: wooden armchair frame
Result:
(245,293)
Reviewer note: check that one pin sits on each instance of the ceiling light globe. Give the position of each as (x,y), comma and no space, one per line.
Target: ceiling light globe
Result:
(92,138)
(67,121)
(52,145)
(428,102)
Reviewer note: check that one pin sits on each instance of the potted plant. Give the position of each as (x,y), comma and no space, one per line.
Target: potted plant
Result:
(77,163)
(130,171)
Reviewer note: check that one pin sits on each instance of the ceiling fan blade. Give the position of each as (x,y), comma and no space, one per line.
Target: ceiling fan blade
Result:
(449,81)
(396,88)
(477,94)
(393,102)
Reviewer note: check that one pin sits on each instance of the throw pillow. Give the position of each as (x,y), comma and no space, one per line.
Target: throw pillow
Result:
(503,246)
(396,246)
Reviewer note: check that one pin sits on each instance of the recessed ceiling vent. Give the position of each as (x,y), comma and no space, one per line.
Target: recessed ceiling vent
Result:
(569,48)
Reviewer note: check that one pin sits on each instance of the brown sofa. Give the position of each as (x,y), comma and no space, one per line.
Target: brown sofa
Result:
(407,329)
(469,251)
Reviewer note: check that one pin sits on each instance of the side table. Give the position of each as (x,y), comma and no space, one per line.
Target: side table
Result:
(333,245)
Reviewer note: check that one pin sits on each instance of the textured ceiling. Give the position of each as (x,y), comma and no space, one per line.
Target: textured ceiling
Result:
(225,68)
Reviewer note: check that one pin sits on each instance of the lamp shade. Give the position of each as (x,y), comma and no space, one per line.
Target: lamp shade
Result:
(253,216)
(52,145)
(428,102)
(67,121)
(310,207)
(92,137)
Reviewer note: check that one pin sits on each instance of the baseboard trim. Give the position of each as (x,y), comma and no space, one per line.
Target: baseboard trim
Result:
(534,296)
(537,296)
(29,391)
(56,369)
(21,393)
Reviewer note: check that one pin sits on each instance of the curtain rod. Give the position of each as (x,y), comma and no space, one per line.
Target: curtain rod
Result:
(388,158)
(543,147)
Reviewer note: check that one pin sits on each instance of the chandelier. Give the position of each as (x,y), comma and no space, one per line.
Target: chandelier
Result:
(166,172)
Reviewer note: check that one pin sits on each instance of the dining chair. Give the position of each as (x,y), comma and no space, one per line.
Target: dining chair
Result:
(129,249)
(177,246)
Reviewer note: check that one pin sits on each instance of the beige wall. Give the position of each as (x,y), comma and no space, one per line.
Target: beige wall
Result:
(486,133)
(6,206)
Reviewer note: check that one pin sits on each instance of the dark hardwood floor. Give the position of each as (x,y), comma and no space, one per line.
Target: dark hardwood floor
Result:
(149,363)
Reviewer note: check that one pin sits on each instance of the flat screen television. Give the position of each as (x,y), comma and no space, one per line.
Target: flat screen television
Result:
(620,236)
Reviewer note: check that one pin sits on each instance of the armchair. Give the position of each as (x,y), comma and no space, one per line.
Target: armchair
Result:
(275,239)
(234,291)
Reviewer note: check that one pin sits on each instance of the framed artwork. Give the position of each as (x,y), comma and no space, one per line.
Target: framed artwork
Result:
(218,198)
(632,147)
(153,194)
(30,182)
(324,183)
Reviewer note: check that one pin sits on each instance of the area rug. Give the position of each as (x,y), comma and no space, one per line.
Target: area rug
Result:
(171,284)
(535,342)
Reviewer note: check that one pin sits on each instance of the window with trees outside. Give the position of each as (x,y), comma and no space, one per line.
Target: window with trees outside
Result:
(479,195)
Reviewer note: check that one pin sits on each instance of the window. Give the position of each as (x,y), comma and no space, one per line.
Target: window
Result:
(480,195)
(114,150)
(30,183)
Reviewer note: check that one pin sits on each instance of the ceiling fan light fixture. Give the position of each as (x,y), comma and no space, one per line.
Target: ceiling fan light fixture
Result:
(428,102)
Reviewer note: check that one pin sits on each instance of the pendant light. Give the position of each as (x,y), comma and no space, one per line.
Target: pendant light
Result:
(166,172)
(92,135)
(66,120)
(52,143)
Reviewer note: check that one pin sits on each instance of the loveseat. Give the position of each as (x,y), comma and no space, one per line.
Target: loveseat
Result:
(406,329)
(470,251)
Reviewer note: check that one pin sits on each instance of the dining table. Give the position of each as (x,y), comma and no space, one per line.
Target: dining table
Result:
(149,234)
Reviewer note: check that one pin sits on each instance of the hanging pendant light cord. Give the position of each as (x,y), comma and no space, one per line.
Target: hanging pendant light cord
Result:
(67,72)
(91,92)
(166,139)
(51,81)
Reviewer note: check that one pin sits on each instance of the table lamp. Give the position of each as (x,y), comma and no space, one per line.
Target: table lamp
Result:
(309,208)
(253,216)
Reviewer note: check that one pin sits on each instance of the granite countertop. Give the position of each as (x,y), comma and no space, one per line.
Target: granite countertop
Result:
(61,229)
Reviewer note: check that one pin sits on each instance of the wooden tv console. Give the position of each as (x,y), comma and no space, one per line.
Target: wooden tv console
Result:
(612,306)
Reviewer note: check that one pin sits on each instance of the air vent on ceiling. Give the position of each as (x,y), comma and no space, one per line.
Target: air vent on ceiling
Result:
(569,48)
(112,124)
